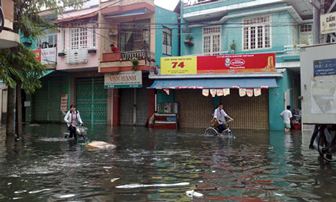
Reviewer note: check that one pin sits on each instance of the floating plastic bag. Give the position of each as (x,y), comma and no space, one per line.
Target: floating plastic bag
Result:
(192,194)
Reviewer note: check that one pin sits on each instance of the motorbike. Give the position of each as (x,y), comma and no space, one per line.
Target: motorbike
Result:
(324,141)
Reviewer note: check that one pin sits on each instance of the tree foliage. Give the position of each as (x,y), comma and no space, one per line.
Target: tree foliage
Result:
(20,64)
(28,14)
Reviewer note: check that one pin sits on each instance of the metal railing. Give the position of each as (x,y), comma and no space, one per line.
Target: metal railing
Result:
(293,49)
(207,54)
(140,54)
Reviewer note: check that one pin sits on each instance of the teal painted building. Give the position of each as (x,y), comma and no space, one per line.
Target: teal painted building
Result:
(253,27)
(166,34)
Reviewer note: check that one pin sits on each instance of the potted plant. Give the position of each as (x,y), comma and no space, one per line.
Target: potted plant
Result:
(135,63)
(233,47)
(188,39)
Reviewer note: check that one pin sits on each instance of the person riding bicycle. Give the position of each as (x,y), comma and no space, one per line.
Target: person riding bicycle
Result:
(219,116)
(72,118)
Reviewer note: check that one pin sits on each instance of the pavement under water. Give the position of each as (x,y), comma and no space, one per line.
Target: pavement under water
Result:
(161,165)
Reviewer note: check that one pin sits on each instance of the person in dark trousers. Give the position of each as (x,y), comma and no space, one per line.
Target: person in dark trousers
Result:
(72,118)
(219,116)
(114,48)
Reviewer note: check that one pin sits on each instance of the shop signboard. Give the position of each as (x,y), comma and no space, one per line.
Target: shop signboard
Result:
(46,56)
(178,65)
(130,79)
(238,63)
(328,23)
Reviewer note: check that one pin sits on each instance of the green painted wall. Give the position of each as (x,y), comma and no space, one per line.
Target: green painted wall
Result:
(277,99)
(163,97)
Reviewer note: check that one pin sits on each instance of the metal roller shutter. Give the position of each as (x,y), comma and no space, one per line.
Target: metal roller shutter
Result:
(247,112)
(127,100)
(92,100)
(195,110)
(47,100)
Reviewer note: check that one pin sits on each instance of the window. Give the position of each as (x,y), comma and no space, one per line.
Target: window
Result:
(48,40)
(257,33)
(167,41)
(305,28)
(93,35)
(62,40)
(78,37)
(134,35)
(211,40)
(306,34)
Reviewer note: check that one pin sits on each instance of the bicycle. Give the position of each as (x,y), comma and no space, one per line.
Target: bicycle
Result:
(213,131)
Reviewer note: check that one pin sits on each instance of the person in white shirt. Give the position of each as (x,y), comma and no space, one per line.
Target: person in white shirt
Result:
(72,118)
(219,116)
(286,115)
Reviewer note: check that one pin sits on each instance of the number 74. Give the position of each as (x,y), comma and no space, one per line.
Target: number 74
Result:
(178,64)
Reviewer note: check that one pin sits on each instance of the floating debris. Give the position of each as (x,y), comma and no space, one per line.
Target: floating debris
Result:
(132,186)
(114,179)
(192,194)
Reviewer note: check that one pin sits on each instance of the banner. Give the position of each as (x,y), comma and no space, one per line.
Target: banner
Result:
(46,56)
(240,63)
(178,65)
(328,23)
(131,79)
(64,102)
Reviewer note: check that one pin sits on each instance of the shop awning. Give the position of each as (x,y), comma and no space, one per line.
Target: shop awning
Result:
(48,71)
(214,83)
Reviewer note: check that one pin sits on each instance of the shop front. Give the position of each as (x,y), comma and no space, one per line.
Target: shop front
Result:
(130,97)
(241,82)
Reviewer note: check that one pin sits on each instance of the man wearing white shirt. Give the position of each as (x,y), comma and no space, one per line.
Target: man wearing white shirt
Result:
(286,115)
(219,116)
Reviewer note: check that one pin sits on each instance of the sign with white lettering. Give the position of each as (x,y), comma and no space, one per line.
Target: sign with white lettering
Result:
(131,79)
(328,23)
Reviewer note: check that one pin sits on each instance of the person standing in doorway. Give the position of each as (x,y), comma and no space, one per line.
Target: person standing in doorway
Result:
(72,118)
(219,116)
(286,115)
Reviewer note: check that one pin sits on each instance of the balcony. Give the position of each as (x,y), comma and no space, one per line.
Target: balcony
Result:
(214,53)
(292,52)
(76,56)
(120,61)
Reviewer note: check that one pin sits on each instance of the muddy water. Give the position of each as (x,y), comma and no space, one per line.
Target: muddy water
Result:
(161,165)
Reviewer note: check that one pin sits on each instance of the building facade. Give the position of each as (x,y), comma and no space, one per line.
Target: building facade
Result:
(215,29)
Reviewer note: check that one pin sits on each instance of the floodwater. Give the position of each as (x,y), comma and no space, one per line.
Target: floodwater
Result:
(161,165)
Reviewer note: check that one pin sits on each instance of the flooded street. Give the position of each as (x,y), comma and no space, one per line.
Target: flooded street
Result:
(161,165)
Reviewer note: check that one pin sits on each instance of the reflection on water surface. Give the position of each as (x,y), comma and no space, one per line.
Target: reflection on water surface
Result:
(161,165)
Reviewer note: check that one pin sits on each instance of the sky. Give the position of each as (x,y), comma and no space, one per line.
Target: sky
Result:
(167,4)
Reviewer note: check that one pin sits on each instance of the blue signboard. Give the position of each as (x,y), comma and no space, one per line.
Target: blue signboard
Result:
(325,67)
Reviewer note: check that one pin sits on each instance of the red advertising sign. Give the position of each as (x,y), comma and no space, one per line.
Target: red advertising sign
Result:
(264,62)
(64,102)
(38,54)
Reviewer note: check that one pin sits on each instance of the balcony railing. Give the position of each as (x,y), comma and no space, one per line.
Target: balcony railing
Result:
(214,53)
(76,56)
(126,56)
(293,49)
(198,2)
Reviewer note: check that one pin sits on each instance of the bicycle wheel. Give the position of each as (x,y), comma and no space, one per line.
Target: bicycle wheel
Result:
(210,132)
